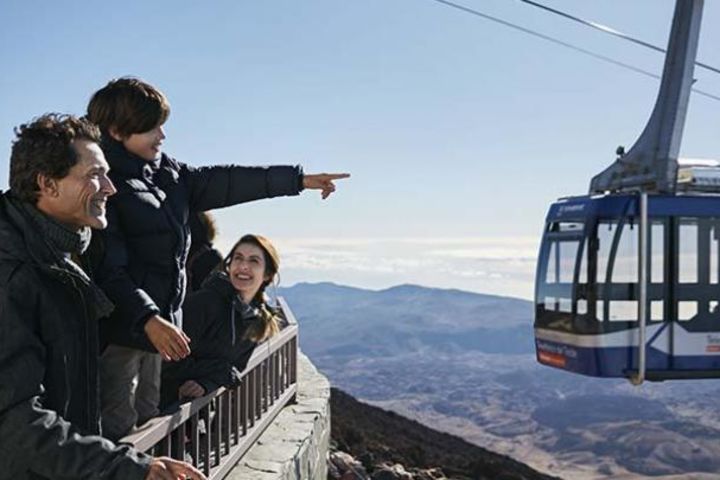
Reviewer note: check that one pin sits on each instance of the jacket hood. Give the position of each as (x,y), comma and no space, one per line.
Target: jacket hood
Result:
(19,242)
(218,281)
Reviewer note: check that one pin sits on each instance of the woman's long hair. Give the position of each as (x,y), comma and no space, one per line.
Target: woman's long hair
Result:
(268,324)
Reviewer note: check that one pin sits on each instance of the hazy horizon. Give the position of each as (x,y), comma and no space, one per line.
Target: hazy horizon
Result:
(498,266)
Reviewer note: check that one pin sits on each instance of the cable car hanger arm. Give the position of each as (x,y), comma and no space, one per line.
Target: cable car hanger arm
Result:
(651,163)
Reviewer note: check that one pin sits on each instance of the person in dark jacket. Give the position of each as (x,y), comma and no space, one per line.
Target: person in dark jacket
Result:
(225,320)
(49,311)
(147,240)
(203,257)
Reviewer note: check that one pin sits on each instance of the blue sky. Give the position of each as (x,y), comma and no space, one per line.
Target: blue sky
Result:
(454,128)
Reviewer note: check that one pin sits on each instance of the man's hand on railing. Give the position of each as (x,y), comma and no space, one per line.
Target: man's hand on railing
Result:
(191,389)
(170,341)
(166,468)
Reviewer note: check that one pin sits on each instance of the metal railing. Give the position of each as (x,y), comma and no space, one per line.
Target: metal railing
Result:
(214,432)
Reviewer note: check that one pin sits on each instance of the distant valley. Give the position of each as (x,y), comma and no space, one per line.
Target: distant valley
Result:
(464,363)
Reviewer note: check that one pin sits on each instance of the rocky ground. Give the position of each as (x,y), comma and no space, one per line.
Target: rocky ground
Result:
(371,443)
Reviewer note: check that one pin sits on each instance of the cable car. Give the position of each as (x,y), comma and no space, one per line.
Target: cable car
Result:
(628,276)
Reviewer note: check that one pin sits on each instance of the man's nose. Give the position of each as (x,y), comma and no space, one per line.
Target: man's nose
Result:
(107,186)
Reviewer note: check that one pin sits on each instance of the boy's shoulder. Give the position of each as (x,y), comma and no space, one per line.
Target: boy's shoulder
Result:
(169,162)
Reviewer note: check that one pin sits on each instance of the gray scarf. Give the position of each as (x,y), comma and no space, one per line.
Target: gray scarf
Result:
(63,243)
(60,238)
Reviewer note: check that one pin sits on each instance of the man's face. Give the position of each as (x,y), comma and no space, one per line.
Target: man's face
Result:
(79,198)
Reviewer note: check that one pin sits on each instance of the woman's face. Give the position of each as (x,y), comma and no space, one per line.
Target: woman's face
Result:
(247,270)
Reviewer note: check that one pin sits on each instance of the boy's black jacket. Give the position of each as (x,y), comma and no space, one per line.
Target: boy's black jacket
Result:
(146,244)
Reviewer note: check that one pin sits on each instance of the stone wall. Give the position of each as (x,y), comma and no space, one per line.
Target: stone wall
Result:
(295,446)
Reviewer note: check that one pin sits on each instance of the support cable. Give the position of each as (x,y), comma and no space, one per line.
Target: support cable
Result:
(611,31)
(557,41)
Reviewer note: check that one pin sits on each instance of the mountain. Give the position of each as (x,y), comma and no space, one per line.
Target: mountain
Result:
(379,438)
(351,322)
(464,363)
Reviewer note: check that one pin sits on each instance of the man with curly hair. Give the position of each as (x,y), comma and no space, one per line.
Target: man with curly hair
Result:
(49,311)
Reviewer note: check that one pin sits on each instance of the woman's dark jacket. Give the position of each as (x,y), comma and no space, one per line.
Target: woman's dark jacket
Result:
(147,240)
(48,363)
(216,321)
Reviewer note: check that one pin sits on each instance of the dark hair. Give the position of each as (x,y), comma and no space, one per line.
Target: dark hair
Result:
(268,325)
(45,146)
(203,228)
(128,105)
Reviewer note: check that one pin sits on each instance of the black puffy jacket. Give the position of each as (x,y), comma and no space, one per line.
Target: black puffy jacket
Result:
(147,240)
(48,364)
(217,322)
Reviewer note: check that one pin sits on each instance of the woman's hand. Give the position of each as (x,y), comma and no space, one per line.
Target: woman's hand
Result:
(191,389)
(170,342)
(165,468)
(323,181)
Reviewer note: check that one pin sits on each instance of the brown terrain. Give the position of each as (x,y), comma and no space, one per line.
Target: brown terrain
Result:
(379,439)
(464,363)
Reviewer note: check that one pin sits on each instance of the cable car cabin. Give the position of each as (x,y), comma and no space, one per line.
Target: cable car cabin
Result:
(588,286)
(627,282)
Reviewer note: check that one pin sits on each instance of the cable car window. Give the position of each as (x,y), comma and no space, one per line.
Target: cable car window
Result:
(566,227)
(582,274)
(568,257)
(565,305)
(550,303)
(561,261)
(551,271)
(625,269)
(656,311)
(600,310)
(688,250)
(605,234)
(623,311)
(582,307)
(687,310)
(657,253)
(714,246)
(625,265)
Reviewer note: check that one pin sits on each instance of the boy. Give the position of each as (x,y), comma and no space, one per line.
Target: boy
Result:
(147,240)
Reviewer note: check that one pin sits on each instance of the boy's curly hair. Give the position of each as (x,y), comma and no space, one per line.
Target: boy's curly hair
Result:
(45,146)
(128,105)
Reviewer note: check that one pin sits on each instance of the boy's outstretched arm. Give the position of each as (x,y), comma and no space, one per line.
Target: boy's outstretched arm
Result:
(323,181)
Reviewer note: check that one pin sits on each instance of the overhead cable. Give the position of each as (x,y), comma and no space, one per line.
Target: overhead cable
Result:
(564,44)
(611,31)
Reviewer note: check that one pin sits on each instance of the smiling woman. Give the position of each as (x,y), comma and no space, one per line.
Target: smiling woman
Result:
(225,320)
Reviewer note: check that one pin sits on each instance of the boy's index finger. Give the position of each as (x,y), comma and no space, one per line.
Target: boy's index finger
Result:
(338,176)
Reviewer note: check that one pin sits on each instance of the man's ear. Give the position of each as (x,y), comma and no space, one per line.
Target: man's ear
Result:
(115,134)
(48,186)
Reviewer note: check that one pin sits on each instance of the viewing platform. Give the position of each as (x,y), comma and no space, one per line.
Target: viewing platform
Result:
(274,424)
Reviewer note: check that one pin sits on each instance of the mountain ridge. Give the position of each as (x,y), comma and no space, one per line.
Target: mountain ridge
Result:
(469,368)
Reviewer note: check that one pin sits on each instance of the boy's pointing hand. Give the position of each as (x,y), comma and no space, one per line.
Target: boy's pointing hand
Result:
(323,181)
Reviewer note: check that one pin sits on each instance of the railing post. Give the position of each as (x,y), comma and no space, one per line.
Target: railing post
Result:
(213,432)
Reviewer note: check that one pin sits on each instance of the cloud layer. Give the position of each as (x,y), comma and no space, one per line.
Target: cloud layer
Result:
(503,266)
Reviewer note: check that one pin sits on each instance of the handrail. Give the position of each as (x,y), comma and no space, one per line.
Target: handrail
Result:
(214,432)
